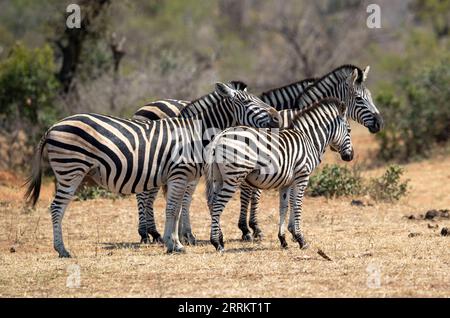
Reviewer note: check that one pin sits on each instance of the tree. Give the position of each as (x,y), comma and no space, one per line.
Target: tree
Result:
(434,12)
(72,40)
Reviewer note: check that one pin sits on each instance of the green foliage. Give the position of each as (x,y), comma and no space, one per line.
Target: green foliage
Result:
(418,119)
(86,192)
(388,187)
(335,181)
(434,12)
(27,84)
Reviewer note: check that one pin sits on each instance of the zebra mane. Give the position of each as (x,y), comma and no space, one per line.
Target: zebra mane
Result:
(323,102)
(311,79)
(343,69)
(203,103)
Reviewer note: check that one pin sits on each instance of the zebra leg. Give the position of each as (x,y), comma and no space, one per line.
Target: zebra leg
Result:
(222,197)
(65,192)
(246,193)
(185,230)
(284,205)
(175,191)
(297,195)
(257,233)
(147,224)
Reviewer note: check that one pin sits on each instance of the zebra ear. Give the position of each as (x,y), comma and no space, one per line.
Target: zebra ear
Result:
(238,85)
(365,72)
(225,91)
(342,107)
(353,77)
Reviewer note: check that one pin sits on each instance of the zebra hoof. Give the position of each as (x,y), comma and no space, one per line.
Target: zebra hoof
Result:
(304,246)
(64,254)
(176,250)
(283,242)
(145,240)
(189,239)
(258,236)
(219,246)
(157,238)
(247,237)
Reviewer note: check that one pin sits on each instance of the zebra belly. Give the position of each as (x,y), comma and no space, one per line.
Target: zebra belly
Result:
(267,181)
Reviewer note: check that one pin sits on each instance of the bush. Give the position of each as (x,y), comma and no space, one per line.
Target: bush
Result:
(335,181)
(418,119)
(28,85)
(388,187)
(87,192)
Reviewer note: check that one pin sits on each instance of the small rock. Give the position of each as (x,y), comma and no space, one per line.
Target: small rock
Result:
(433,226)
(357,203)
(445,214)
(413,234)
(12,249)
(444,231)
(411,217)
(431,214)
(110,253)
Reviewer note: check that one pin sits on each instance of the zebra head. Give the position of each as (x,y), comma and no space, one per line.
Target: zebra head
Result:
(247,109)
(340,139)
(361,106)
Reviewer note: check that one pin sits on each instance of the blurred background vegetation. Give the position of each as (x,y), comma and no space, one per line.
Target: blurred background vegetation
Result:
(129,52)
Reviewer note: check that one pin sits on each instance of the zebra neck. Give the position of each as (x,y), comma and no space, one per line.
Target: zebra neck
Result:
(317,128)
(331,85)
(214,120)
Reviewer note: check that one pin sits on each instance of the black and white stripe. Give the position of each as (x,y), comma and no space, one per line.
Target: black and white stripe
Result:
(126,156)
(346,83)
(274,159)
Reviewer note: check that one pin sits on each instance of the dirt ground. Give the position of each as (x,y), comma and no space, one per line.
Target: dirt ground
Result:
(375,250)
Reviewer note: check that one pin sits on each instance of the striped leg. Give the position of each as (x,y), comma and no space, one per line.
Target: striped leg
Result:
(221,199)
(284,206)
(175,191)
(185,230)
(297,195)
(147,224)
(65,192)
(257,233)
(246,193)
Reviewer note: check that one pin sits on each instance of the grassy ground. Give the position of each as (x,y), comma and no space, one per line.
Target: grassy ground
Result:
(367,245)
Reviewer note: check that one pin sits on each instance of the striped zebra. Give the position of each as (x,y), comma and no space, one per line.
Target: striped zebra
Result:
(126,156)
(346,83)
(161,109)
(281,98)
(275,159)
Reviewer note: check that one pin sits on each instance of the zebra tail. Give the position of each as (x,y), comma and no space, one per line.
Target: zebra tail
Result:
(164,190)
(34,181)
(214,181)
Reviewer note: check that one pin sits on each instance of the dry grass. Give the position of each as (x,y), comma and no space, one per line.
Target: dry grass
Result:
(102,237)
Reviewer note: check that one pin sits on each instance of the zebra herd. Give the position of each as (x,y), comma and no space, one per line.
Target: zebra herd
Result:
(234,138)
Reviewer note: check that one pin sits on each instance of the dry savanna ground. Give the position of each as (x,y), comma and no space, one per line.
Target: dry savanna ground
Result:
(375,250)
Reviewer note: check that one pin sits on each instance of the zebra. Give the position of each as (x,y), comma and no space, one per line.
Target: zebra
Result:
(161,109)
(281,98)
(127,156)
(346,83)
(275,159)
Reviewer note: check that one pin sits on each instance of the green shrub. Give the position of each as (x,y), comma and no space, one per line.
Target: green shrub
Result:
(334,181)
(388,187)
(417,115)
(28,85)
(87,192)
